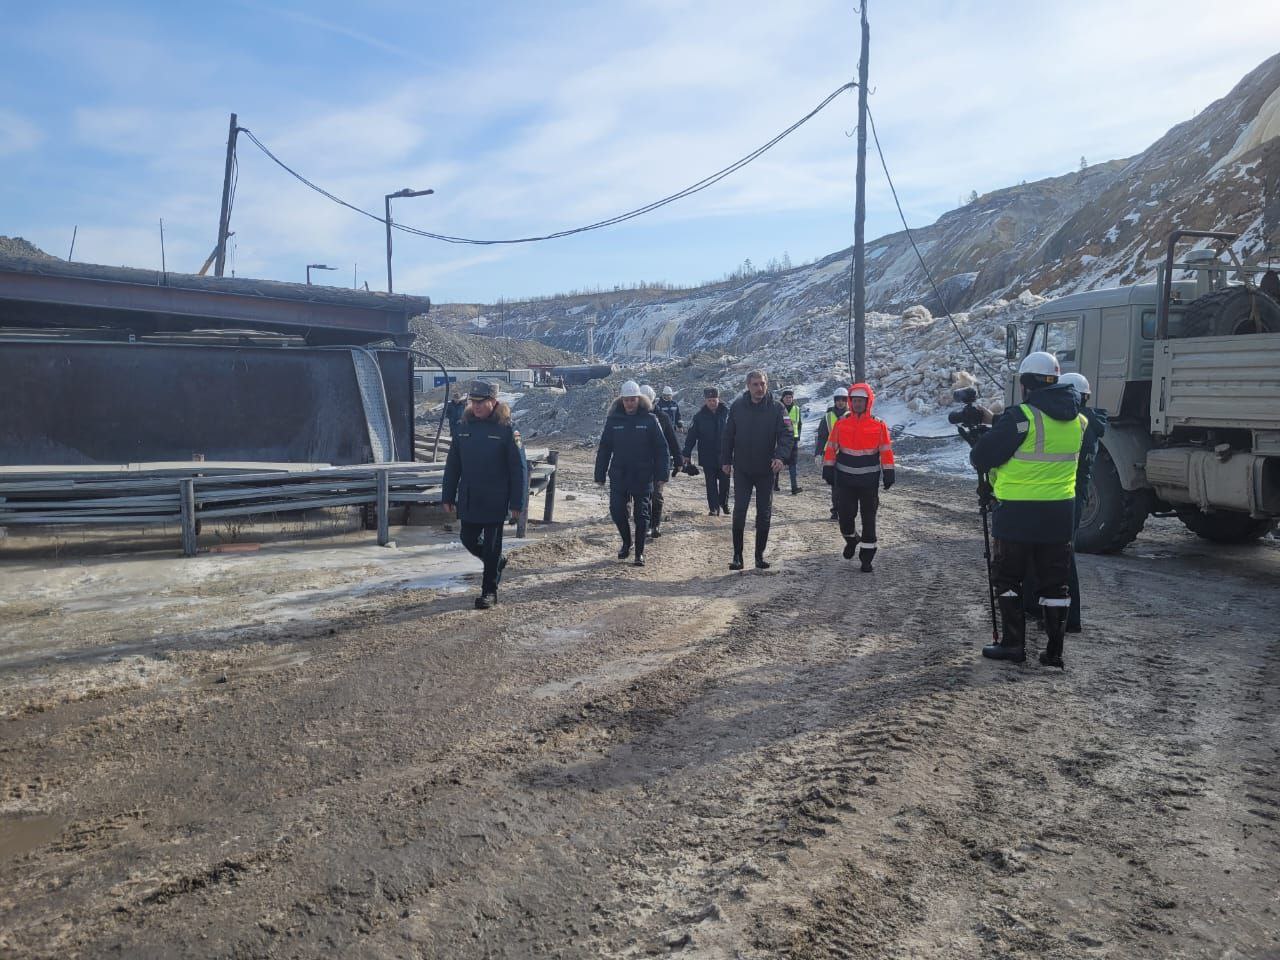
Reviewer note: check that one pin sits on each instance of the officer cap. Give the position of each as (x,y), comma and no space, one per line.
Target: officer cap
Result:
(483,390)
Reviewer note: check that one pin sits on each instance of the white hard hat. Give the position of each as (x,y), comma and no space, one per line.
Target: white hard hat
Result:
(1076,380)
(859,392)
(629,389)
(647,391)
(667,392)
(842,392)
(1040,363)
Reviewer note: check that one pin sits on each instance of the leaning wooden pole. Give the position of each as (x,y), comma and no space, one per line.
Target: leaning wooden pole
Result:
(860,216)
(224,219)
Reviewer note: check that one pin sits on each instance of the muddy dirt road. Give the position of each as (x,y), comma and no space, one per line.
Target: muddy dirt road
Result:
(804,762)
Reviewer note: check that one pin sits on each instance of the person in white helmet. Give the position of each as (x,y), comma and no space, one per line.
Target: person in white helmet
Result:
(670,407)
(1030,456)
(839,407)
(673,446)
(1084,473)
(633,455)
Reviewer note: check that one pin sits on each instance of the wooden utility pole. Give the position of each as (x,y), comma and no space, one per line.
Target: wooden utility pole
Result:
(860,216)
(224,221)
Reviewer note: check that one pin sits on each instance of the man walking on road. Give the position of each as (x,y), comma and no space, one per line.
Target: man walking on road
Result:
(757,442)
(633,455)
(793,414)
(1029,456)
(669,406)
(859,456)
(484,480)
(673,446)
(706,430)
(839,407)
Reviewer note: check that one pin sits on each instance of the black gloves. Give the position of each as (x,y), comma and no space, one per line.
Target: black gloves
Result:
(829,474)
(888,479)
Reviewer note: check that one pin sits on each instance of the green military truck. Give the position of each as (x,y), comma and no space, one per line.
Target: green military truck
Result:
(1188,370)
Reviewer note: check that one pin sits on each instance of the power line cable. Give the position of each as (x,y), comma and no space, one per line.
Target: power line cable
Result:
(702,184)
(936,292)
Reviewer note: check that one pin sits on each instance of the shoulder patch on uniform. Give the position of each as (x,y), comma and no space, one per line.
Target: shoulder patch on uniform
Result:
(1023,426)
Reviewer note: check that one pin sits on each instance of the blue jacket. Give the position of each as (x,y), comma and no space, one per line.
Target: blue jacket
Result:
(485,472)
(633,452)
(1088,452)
(1027,521)
(672,410)
(706,431)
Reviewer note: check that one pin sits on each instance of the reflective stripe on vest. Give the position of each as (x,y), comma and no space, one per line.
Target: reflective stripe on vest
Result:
(1044,466)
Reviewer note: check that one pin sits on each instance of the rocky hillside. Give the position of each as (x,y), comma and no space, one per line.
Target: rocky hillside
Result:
(17,247)
(456,348)
(1101,226)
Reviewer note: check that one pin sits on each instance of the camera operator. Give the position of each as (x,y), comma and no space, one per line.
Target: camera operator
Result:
(1030,455)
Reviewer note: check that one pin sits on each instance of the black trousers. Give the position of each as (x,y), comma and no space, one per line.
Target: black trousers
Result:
(761,484)
(622,505)
(656,503)
(717,488)
(852,500)
(484,540)
(1045,567)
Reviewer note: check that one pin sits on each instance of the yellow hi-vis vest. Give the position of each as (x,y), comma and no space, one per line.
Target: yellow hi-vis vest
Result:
(1044,465)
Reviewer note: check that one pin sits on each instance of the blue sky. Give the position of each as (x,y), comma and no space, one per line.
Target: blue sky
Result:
(532,117)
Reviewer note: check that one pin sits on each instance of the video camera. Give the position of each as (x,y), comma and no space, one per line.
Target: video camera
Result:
(970,419)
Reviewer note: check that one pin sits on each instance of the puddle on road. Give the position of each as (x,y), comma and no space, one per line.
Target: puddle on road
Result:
(21,836)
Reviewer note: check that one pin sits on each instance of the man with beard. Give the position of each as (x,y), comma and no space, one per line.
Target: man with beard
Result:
(757,443)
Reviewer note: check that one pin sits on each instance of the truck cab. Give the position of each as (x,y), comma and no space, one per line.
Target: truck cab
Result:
(1188,371)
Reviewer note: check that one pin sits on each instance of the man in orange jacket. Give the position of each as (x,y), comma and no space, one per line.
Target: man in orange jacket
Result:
(857,457)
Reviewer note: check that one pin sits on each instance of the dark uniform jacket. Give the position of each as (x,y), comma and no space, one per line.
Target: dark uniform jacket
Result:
(756,435)
(1028,521)
(706,430)
(669,435)
(824,429)
(633,452)
(1089,451)
(485,472)
(672,410)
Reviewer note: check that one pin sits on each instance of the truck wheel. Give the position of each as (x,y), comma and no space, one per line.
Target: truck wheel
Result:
(1225,526)
(1226,313)
(1111,517)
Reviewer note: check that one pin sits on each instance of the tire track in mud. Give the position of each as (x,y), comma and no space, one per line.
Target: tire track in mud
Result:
(814,765)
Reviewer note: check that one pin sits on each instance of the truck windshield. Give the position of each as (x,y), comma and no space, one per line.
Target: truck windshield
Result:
(1056,336)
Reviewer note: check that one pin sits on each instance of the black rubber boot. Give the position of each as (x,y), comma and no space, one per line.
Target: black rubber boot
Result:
(738,536)
(866,555)
(655,518)
(1055,625)
(486,601)
(640,535)
(851,546)
(762,541)
(624,551)
(1013,632)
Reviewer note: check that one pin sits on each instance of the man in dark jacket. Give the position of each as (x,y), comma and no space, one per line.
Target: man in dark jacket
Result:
(484,480)
(454,409)
(757,442)
(705,431)
(669,406)
(632,455)
(839,407)
(1093,433)
(1030,456)
(673,446)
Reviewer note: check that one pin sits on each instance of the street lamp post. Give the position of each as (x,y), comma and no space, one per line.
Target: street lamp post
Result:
(406,192)
(316,266)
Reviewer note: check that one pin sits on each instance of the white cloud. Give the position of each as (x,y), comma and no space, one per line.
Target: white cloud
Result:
(17,133)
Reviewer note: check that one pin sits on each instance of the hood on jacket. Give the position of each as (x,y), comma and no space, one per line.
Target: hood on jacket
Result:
(1058,401)
(644,406)
(871,396)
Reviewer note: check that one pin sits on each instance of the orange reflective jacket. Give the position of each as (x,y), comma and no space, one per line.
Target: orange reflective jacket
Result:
(859,446)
